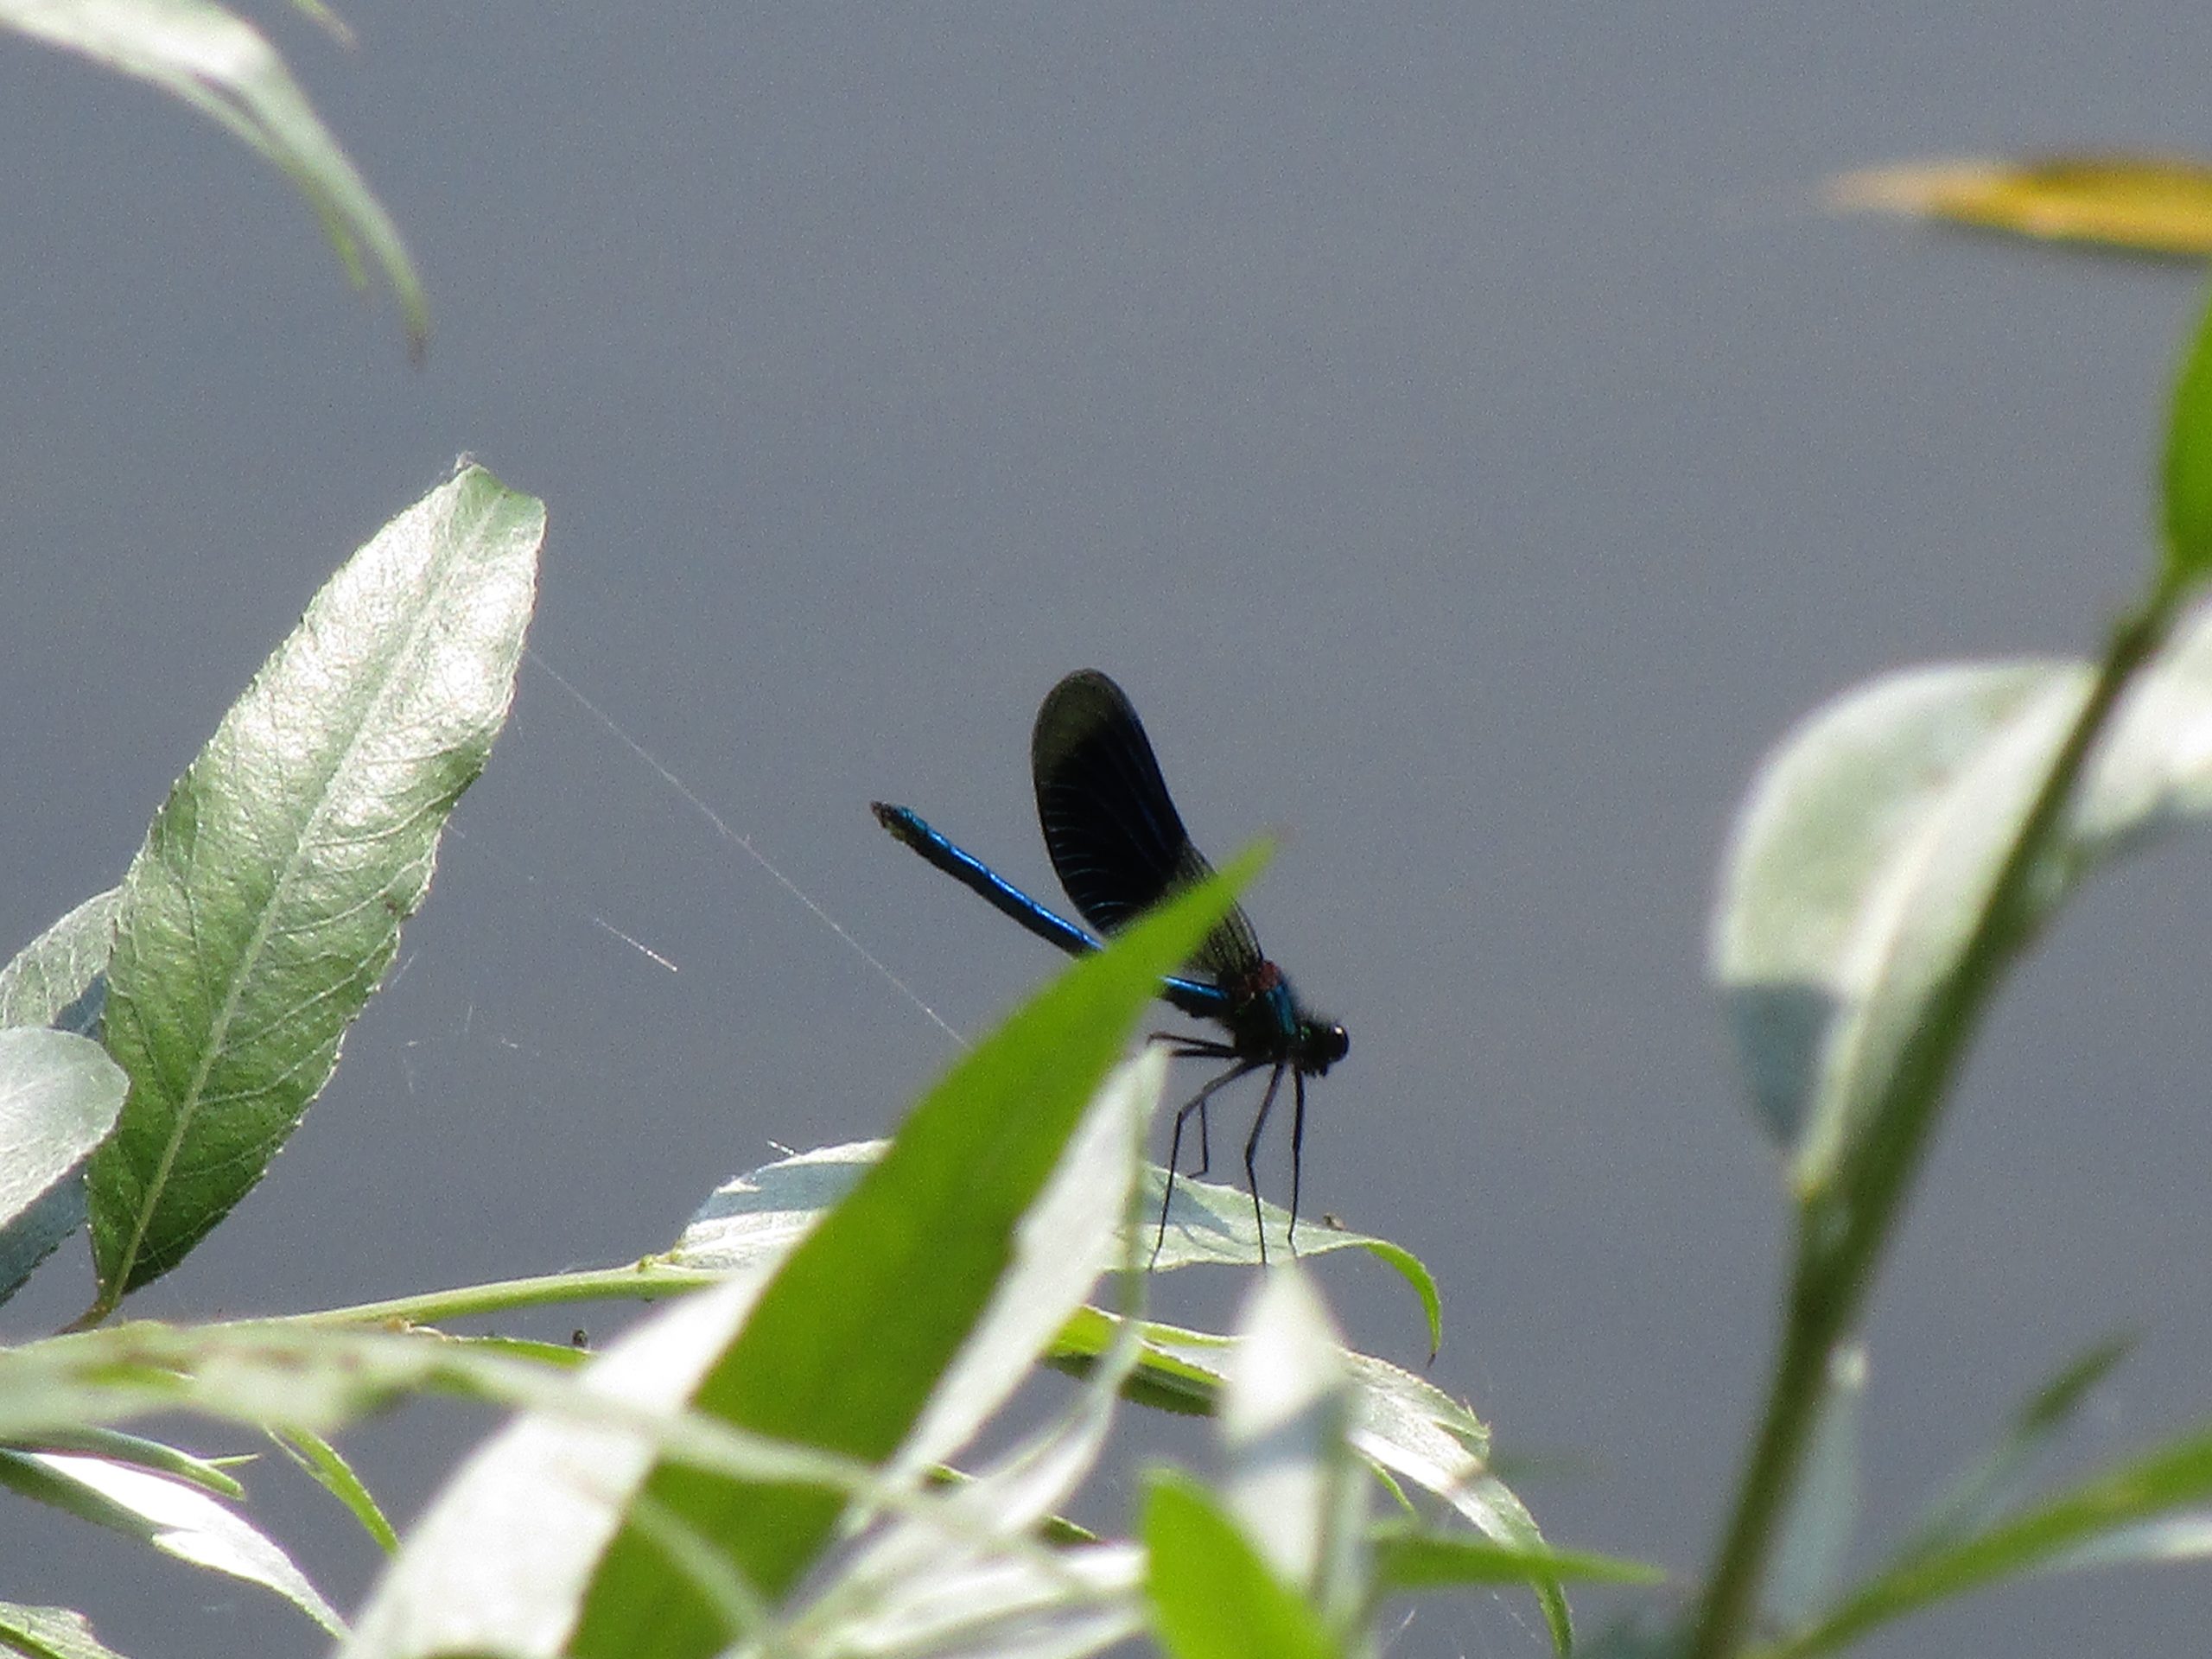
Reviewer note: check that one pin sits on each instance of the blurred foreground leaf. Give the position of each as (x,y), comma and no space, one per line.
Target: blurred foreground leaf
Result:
(1409,1558)
(1864,856)
(1291,1479)
(222,67)
(2103,1522)
(850,1339)
(177,1519)
(59,1096)
(1213,1594)
(50,1633)
(757,1217)
(1410,1430)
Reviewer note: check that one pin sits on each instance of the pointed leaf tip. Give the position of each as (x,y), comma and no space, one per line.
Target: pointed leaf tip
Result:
(2188,464)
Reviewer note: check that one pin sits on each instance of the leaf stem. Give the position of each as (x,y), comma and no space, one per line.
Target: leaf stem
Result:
(641,1280)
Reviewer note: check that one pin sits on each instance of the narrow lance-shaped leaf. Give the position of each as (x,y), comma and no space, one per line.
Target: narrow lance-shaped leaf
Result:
(1213,1594)
(2054,1533)
(177,1519)
(847,1345)
(327,1467)
(221,65)
(267,901)
(1409,1430)
(157,1456)
(2189,463)
(968,1572)
(1974,1499)
(1294,1482)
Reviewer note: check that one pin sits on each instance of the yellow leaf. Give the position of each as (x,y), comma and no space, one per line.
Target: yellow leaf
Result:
(2151,204)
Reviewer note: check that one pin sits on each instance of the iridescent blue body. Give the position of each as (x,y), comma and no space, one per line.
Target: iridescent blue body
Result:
(1119,847)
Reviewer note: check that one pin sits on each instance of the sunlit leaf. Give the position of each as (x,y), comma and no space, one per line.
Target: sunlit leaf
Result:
(177,1519)
(759,1215)
(1865,852)
(114,1445)
(1409,1430)
(500,1561)
(55,970)
(1071,1234)
(1291,1481)
(50,1633)
(267,898)
(1213,1595)
(59,1098)
(967,1576)
(334,1475)
(2151,204)
(221,65)
(848,1345)
(1859,865)
(1208,1222)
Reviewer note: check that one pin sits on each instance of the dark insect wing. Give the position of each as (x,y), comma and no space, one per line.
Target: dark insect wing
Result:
(1120,848)
(1115,837)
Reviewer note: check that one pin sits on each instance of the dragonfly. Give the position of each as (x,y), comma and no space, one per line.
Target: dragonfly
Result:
(1119,847)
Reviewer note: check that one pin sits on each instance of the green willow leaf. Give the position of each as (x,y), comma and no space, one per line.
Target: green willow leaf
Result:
(177,1519)
(50,1633)
(1213,1595)
(1293,1482)
(758,1215)
(2061,1532)
(54,970)
(267,898)
(220,65)
(847,1345)
(1865,851)
(1410,1430)
(921,1587)
(329,1470)
(2188,476)
(1410,1558)
(59,1094)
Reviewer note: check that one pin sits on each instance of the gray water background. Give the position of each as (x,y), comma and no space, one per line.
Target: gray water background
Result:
(1459,427)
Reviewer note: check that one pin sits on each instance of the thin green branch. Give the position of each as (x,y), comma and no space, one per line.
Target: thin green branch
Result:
(642,1281)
